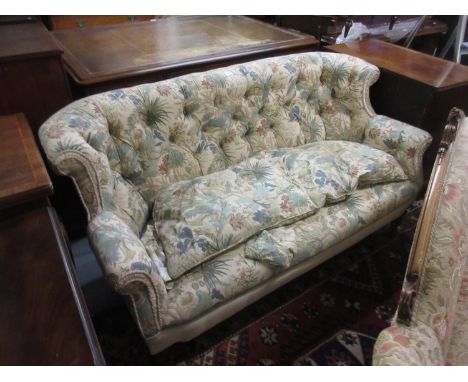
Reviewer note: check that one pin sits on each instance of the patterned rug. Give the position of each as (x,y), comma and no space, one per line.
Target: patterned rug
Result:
(346,348)
(329,316)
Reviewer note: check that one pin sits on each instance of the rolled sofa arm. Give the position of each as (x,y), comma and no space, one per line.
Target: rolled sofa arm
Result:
(408,346)
(405,142)
(129,269)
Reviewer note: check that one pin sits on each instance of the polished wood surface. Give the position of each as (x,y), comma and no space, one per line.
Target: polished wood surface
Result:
(432,71)
(23,176)
(87,21)
(425,226)
(43,316)
(95,55)
(43,319)
(26,39)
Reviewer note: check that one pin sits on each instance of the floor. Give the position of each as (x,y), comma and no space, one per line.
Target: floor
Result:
(98,294)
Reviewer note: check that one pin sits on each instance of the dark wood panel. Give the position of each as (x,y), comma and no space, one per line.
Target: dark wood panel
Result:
(43,317)
(43,312)
(33,80)
(23,176)
(37,87)
(26,40)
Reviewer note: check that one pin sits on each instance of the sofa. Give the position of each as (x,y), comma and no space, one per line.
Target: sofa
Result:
(208,191)
(431,323)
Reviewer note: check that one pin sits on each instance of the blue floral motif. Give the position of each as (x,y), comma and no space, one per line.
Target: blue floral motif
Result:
(262,216)
(138,266)
(361,220)
(243,70)
(216,293)
(320,178)
(334,184)
(157,134)
(79,122)
(135,99)
(115,95)
(202,244)
(294,114)
(185,239)
(277,153)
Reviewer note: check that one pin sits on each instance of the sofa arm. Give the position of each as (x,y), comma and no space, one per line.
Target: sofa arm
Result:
(129,269)
(85,160)
(405,142)
(408,346)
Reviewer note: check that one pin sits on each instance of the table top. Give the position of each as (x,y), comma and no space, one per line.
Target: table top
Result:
(103,53)
(432,71)
(26,39)
(23,176)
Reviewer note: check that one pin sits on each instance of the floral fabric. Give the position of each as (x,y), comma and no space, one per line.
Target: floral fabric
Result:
(217,280)
(402,346)
(156,134)
(440,303)
(129,269)
(123,148)
(199,219)
(458,347)
(405,142)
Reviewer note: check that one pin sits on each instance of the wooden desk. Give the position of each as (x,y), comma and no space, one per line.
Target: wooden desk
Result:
(43,316)
(413,87)
(109,57)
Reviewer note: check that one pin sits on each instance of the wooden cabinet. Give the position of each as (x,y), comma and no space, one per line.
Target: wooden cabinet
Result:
(33,81)
(43,317)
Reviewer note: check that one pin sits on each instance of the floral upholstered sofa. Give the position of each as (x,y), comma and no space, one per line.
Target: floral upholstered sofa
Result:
(431,324)
(208,191)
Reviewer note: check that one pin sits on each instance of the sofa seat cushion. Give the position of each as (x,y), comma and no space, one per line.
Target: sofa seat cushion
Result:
(232,273)
(201,218)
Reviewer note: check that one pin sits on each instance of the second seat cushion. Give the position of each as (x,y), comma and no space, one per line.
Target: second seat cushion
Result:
(201,218)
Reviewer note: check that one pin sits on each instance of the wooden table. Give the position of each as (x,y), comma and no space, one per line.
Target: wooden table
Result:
(43,316)
(413,87)
(109,57)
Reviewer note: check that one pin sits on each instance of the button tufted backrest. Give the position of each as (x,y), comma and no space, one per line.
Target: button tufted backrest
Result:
(135,141)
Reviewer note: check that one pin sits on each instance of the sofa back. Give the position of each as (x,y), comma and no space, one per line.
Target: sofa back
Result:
(122,147)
